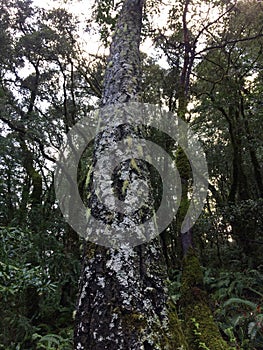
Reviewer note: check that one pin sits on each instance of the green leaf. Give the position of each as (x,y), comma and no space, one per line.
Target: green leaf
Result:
(240,301)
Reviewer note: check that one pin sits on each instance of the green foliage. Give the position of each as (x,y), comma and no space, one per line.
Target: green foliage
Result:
(197,333)
(245,319)
(46,86)
(174,285)
(53,341)
(235,283)
(33,288)
(237,298)
(106,16)
(17,273)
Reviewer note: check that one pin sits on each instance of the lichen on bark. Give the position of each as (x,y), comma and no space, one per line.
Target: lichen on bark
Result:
(123,301)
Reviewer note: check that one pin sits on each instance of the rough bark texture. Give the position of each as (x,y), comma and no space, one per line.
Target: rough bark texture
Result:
(122,78)
(123,300)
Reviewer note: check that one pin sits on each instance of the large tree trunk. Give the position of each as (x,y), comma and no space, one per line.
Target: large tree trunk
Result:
(122,298)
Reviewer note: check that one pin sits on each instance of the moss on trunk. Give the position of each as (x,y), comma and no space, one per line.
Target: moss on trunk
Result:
(168,338)
(177,340)
(201,331)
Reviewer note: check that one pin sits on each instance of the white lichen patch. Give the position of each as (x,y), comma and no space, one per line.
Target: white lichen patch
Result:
(127,298)
(101,282)
(113,319)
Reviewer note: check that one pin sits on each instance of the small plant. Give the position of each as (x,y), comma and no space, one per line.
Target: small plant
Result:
(53,341)
(237,296)
(246,321)
(174,285)
(197,333)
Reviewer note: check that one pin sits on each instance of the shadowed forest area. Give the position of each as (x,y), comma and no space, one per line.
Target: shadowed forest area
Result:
(202,289)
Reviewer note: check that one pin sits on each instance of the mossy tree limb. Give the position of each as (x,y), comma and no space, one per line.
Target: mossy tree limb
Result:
(200,328)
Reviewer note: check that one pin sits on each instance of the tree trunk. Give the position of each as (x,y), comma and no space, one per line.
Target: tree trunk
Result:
(201,330)
(122,297)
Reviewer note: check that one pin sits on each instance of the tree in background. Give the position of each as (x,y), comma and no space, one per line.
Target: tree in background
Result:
(44,84)
(227,88)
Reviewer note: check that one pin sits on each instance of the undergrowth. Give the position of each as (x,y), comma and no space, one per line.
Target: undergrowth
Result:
(236,301)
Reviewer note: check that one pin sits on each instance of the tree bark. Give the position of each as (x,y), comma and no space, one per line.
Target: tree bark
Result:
(123,301)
